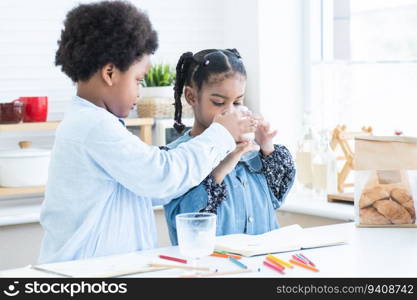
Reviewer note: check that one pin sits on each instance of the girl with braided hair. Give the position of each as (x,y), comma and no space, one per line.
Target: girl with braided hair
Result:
(246,188)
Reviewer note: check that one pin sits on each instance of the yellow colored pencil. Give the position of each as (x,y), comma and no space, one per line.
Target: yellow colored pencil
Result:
(284,263)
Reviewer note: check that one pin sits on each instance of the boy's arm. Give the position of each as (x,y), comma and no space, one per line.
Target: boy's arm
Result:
(206,197)
(151,172)
(279,170)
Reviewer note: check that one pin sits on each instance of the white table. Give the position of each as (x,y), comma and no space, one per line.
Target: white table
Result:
(371,252)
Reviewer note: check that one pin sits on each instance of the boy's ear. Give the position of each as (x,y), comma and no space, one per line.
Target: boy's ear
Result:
(190,95)
(108,74)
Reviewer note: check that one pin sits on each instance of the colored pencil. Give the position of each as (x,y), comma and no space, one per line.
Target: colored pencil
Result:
(309,261)
(299,260)
(236,262)
(284,263)
(302,259)
(215,254)
(296,262)
(226,253)
(269,259)
(273,266)
(179,267)
(218,273)
(173,258)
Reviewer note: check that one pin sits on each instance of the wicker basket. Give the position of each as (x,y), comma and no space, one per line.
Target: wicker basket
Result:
(159,107)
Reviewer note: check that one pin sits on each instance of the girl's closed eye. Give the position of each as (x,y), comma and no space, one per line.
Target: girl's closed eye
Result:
(140,81)
(216,103)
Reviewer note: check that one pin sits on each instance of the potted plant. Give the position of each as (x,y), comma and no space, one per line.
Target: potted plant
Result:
(159,82)
(157,94)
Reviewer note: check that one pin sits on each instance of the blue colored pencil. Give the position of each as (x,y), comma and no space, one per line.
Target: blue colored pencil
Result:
(236,262)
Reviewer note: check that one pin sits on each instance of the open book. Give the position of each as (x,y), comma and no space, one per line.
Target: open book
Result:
(289,238)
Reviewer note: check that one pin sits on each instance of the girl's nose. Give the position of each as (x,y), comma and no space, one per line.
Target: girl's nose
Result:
(230,108)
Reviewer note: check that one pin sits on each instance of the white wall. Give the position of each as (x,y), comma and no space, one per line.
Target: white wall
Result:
(29,31)
(269,35)
(241,31)
(281,69)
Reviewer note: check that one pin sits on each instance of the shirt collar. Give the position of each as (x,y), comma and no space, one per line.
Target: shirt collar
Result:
(85,102)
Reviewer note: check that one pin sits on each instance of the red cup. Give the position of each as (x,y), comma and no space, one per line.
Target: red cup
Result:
(36,108)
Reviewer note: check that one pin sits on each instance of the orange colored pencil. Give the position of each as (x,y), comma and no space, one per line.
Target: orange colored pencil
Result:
(225,255)
(297,263)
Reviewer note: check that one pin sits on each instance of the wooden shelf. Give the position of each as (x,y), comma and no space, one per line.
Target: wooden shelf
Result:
(6,191)
(52,125)
(342,197)
(145,134)
(138,121)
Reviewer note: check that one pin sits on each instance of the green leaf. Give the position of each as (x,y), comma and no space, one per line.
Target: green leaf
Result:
(160,75)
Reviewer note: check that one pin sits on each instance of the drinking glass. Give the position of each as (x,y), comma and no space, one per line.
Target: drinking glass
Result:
(196,235)
(249,135)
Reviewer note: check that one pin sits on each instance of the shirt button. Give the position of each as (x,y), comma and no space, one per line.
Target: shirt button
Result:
(251,219)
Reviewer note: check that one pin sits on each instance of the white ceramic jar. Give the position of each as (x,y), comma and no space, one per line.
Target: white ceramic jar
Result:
(24,167)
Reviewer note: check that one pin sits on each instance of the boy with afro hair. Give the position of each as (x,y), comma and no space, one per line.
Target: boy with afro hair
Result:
(103,181)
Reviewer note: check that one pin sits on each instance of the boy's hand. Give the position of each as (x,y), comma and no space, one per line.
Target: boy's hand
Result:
(264,136)
(229,163)
(237,123)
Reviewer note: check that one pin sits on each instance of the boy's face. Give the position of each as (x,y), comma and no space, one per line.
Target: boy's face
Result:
(216,98)
(124,92)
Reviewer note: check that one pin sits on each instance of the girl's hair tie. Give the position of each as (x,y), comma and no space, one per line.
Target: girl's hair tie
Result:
(235,52)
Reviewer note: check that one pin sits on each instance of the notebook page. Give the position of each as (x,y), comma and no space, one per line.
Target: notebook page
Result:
(106,266)
(279,240)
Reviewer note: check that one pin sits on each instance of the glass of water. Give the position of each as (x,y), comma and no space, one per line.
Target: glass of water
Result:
(196,235)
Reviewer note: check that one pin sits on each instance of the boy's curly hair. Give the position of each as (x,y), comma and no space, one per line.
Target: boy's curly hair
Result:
(100,33)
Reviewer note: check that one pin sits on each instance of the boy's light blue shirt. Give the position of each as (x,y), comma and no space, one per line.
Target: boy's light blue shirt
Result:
(103,182)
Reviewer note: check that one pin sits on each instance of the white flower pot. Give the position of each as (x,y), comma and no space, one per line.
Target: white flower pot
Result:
(156,92)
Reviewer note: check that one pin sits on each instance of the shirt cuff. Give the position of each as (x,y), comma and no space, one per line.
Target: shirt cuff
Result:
(220,137)
(216,194)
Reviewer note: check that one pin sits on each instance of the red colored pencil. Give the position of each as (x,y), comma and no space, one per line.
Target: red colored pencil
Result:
(173,259)
(270,260)
(273,266)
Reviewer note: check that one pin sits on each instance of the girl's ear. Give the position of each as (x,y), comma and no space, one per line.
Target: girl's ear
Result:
(108,74)
(190,95)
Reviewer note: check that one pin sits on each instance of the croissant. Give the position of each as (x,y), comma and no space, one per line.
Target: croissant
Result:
(393,211)
(400,195)
(370,216)
(409,206)
(369,196)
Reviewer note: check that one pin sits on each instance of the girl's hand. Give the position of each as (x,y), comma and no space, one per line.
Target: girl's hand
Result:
(237,123)
(231,160)
(264,136)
